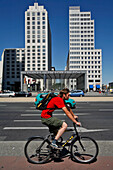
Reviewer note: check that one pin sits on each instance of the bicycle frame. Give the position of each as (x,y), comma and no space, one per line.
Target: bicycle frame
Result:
(73,137)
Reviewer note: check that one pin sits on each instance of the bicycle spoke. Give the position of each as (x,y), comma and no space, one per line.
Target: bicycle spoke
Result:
(37,150)
(84,150)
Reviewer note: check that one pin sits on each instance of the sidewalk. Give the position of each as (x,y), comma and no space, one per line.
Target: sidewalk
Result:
(77,99)
(20,163)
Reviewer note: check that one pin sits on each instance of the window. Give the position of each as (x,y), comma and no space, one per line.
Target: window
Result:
(28,13)
(33,18)
(28,36)
(97,80)
(90,80)
(33,23)
(33,13)
(28,18)
(38,41)
(43,40)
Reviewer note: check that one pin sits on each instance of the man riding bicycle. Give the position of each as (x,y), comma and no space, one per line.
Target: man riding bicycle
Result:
(54,123)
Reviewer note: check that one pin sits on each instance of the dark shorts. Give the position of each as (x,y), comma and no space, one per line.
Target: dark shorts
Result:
(53,123)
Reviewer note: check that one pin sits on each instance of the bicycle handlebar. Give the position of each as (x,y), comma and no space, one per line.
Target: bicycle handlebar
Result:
(74,124)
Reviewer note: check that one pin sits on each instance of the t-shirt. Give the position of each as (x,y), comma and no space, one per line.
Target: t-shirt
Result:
(54,102)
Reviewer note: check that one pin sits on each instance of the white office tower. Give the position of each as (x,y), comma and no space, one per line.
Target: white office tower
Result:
(37,40)
(82,52)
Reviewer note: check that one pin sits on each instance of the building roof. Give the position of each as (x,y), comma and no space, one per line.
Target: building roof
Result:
(72,74)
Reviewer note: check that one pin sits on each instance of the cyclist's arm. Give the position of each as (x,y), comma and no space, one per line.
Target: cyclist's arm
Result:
(75,117)
(70,115)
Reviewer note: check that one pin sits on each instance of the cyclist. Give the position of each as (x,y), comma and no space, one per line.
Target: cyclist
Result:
(54,123)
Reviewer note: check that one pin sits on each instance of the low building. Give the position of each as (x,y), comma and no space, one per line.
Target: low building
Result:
(13,63)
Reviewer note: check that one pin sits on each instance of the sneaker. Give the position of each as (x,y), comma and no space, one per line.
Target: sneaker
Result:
(55,146)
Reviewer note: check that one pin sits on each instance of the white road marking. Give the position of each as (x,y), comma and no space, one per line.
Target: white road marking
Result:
(40,114)
(35,110)
(80,129)
(2,105)
(29,120)
(56,114)
(104,110)
(33,107)
(24,128)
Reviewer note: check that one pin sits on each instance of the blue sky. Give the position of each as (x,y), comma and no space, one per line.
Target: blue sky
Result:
(12,28)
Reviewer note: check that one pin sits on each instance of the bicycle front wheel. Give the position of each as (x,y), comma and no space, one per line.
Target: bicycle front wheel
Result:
(84,150)
(37,150)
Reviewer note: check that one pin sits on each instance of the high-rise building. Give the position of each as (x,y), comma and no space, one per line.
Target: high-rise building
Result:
(37,39)
(82,53)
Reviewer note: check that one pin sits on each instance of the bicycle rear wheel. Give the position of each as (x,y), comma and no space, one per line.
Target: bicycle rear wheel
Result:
(37,150)
(84,150)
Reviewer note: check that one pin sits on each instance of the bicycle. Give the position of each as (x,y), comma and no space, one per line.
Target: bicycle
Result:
(82,149)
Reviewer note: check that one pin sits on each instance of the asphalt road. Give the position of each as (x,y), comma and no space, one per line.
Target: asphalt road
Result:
(18,121)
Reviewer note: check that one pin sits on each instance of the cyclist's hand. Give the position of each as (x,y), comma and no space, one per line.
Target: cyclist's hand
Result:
(75,117)
(78,123)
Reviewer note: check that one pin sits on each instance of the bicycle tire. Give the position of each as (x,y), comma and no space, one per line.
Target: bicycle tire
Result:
(84,156)
(37,155)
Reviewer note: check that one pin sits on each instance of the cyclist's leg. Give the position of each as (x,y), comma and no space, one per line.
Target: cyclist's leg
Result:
(61,131)
(55,123)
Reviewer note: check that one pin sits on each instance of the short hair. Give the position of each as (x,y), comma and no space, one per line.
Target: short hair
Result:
(64,91)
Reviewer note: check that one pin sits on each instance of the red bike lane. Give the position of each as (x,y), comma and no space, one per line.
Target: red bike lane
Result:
(20,163)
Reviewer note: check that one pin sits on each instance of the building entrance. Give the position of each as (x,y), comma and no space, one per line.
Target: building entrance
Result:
(47,77)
